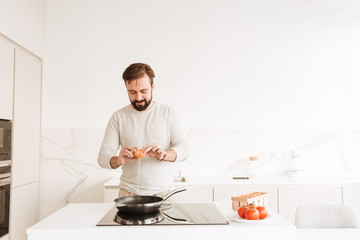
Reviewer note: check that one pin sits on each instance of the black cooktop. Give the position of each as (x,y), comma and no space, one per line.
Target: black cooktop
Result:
(168,214)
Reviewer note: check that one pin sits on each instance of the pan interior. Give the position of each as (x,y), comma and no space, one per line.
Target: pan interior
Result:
(138,199)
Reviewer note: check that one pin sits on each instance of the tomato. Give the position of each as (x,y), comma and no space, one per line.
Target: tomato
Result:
(250,205)
(242,210)
(252,214)
(262,211)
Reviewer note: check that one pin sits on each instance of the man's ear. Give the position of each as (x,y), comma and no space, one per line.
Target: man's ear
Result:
(152,86)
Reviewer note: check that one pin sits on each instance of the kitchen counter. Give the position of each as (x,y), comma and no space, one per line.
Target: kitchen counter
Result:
(274,180)
(328,233)
(78,221)
(285,193)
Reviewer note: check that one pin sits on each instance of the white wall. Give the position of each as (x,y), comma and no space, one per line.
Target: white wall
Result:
(23,21)
(244,63)
(247,78)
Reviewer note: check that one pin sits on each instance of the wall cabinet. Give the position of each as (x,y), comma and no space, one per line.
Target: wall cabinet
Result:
(6,78)
(291,197)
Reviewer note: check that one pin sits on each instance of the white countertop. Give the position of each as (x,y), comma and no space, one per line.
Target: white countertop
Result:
(78,221)
(274,180)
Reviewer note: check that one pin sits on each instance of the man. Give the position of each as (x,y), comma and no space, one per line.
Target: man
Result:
(150,126)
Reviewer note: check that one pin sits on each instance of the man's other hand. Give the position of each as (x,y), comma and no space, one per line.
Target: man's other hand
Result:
(153,150)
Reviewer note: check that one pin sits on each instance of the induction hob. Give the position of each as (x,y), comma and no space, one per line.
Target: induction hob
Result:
(168,214)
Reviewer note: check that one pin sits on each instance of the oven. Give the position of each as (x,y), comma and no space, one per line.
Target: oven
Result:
(5,148)
(5,174)
(4,206)
(5,140)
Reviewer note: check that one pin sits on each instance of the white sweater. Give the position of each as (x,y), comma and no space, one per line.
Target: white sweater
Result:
(129,127)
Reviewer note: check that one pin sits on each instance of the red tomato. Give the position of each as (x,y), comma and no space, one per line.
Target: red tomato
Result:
(250,205)
(242,210)
(252,214)
(262,211)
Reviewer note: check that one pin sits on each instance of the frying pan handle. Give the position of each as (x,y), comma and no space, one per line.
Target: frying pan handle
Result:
(177,220)
(175,191)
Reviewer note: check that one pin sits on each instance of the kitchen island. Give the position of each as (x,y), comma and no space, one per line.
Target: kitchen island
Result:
(78,221)
(286,194)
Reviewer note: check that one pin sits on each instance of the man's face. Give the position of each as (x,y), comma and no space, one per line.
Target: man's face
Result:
(140,92)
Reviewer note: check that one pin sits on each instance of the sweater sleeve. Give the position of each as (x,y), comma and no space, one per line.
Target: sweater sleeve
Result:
(178,138)
(110,144)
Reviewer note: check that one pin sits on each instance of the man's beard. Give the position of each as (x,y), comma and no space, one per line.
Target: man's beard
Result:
(141,107)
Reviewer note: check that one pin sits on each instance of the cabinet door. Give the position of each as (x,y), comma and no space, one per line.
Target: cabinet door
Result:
(110,194)
(195,194)
(351,198)
(6,78)
(291,197)
(27,116)
(225,193)
(24,210)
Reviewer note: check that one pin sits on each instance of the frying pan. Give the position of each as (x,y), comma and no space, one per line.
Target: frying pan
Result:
(143,204)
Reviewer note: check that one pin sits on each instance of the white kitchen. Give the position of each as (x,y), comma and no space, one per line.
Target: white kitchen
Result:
(266,92)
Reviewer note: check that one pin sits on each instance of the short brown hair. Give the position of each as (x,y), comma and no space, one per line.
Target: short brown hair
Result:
(138,70)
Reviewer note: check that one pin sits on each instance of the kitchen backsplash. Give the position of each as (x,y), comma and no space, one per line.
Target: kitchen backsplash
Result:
(69,172)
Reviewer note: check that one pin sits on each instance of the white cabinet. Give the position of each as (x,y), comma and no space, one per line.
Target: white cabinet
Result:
(27,118)
(196,194)
(351,197)
(110,194)
(6,78)
(291,197)
(23,210)
(224,193)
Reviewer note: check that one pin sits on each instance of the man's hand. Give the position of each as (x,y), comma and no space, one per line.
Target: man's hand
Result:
(153,150)
(126,155)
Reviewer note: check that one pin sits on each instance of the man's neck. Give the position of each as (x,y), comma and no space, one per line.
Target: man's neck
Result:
(150,106)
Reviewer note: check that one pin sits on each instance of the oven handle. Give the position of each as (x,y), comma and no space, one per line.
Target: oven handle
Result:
(5,175)
(5,181)
(5,163)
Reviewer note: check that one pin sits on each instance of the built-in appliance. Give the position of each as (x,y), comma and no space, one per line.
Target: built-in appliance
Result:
(168,214)
(4,205)
(5,169)
(5,174)
(5,139)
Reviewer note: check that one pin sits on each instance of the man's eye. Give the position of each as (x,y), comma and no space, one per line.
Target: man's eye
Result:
(143,91)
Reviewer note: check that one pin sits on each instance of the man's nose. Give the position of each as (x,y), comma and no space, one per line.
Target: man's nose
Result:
(138,97)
